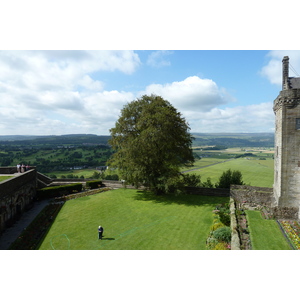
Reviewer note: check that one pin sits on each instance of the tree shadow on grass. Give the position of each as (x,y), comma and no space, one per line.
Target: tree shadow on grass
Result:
(182,199)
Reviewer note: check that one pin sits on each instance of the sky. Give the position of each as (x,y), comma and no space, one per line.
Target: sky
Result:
(55,92)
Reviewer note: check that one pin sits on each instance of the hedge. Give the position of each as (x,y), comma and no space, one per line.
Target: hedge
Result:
(93,184)
(57,191)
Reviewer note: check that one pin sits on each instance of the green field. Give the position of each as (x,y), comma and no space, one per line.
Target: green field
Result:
(87,173)
(265,234)
(133,220)
(255,172)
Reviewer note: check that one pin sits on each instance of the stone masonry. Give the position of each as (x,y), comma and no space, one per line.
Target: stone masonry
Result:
(287,142)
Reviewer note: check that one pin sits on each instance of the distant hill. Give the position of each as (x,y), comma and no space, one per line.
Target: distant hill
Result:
(17,137)
(54,140)
(234,139)
(201,139)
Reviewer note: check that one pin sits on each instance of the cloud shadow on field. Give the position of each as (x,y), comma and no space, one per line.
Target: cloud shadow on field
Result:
(182,199)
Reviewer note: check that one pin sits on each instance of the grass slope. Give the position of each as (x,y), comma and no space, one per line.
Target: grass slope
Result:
(133,220)
(255,172)
(265,234)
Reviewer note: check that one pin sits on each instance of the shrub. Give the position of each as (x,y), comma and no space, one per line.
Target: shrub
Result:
(229,177)
(224,214)
(191,180)
(211,243)
(57,191)
(93,184)
(216,225)
(207,183)
(223,234)
(112,177)
(221,246)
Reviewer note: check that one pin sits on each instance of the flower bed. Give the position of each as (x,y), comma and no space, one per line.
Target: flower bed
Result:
(219,237)
(292,230)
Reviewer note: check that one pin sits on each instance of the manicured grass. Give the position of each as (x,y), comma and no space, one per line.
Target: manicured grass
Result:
(133,220)
(85,172)
(265,234)
(204,162)
(255,172)
(2,178)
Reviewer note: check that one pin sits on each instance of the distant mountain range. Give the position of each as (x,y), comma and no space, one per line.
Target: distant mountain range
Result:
(201,139)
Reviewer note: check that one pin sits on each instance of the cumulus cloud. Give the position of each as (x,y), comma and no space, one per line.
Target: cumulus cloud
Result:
(57,92)
(250,118)
(193,93)
(273,70)
(159,59)
(46,92)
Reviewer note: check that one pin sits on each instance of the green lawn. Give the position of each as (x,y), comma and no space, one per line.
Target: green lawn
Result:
(2,178)
(265,234)
(255,172)
(85,172)
(133,220)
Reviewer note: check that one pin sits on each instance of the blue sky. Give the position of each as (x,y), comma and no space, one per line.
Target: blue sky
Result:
(78,91)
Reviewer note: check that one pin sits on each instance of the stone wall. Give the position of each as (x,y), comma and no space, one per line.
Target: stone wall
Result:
(251,196)
(287,148)
(16,195)
(208,192)
(8,170)
(235,239)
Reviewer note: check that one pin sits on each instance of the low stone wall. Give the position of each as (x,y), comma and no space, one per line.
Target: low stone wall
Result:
(208,192)
(235,239)
(287,213)
(251,197)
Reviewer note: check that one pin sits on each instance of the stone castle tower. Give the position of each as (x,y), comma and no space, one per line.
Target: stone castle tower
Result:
(286,107)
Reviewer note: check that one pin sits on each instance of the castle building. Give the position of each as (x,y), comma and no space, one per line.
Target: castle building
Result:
(286,107)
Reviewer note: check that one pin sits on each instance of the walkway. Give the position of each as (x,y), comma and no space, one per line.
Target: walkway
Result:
(12,233)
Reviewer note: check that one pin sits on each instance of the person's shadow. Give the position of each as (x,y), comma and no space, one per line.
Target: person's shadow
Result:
(108,239)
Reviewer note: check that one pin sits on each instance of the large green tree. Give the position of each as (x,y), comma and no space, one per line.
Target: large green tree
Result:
(151,141)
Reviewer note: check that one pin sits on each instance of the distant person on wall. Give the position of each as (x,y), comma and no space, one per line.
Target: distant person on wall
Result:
(23,168)
(100,232)
(27,168)
(18,168)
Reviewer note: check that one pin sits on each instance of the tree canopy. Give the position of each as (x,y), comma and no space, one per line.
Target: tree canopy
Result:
(151,141)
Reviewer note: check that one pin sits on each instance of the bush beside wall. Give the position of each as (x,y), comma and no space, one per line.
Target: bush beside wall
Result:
(57,191)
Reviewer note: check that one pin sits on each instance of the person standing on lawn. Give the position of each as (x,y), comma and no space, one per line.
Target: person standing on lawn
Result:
(100,232)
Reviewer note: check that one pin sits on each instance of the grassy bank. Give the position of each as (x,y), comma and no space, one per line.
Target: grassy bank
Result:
(255,172)
(265,234)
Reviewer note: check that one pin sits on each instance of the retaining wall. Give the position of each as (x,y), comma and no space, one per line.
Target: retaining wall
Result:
(253,197)
(16,195)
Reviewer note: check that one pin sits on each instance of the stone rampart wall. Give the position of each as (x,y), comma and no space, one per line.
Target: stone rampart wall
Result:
(16,195)
(251,196)
(8,170)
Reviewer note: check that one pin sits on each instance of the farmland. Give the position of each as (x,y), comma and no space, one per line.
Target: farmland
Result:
(79,155)
(256,165)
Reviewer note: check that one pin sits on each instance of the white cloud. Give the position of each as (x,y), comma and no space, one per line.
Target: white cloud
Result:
(250,118)
(53,92)
(193,93)
(158,59)
(56,92)
(273,70)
